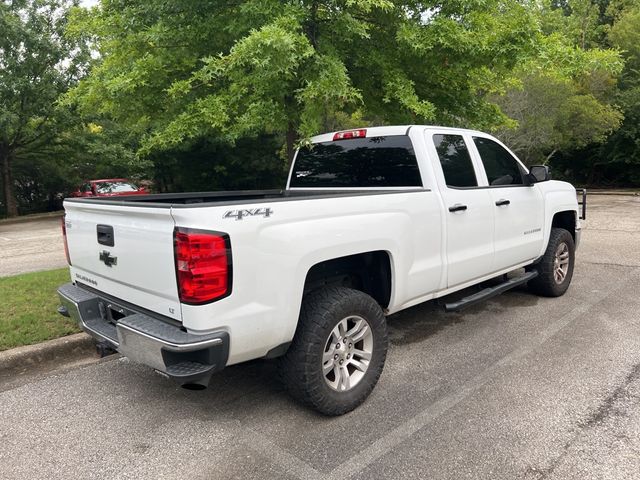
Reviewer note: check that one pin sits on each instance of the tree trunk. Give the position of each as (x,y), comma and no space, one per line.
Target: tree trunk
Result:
(550,156)
(8,197)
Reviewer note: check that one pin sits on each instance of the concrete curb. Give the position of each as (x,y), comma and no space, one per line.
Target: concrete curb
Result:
(43,356)
(31,218)
(609,192)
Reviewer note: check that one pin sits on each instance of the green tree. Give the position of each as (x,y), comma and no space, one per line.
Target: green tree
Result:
(622,152)
(561,99)
(615,161)
(37,63)
(583,22)
(179,72)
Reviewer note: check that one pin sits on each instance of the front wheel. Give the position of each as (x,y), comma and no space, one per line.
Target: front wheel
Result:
(338,351)
(555,269)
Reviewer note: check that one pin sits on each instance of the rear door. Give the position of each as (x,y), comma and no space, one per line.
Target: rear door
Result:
(468,209)
(518,208)
(125,252)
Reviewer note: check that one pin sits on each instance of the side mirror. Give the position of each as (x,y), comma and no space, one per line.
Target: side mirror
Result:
(538,173)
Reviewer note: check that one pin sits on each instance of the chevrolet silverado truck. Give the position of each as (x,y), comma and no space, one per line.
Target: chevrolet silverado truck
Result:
(372,221)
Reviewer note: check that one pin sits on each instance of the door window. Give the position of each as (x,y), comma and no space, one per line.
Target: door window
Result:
(501,167)
(455,160)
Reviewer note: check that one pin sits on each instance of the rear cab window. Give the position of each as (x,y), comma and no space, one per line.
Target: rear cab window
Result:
(381,161)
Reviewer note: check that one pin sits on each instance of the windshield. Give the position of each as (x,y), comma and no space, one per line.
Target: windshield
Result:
(115,187)
(360,162)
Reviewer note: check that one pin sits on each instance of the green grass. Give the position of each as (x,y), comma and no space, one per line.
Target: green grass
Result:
(28,304)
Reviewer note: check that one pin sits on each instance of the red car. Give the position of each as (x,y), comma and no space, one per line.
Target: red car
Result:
(108,187)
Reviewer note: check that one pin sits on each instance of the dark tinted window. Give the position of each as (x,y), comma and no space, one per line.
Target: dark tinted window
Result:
(501,167)
(455,160)
(360,162)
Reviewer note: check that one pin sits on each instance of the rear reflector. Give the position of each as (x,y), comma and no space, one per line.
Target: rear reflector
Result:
(64,239)
(203,265)
(350,134)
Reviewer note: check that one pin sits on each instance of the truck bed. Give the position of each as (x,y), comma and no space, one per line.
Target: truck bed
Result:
(208,199)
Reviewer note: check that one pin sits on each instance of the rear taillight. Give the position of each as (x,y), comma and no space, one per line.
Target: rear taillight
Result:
(350,134)
(203,265)
(64,239)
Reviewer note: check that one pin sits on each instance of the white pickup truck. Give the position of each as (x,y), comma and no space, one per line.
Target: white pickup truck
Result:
(372,221)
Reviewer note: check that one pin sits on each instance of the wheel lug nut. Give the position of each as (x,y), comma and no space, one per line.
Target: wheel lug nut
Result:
(335,357)
(337,345)
(350,345)
(341,362)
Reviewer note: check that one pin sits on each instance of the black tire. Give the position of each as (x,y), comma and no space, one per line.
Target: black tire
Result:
(545,283)
(301,368)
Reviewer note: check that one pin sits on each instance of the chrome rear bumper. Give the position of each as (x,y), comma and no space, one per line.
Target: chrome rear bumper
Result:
(183,356)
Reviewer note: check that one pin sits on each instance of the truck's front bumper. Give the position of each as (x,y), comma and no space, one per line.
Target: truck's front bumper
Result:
(185,357)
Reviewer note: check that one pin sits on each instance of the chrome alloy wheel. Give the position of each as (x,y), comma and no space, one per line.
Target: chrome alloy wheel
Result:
(561,263)
(347,353)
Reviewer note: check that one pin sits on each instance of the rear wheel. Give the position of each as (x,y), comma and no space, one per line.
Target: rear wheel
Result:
(555,269)
(338,351)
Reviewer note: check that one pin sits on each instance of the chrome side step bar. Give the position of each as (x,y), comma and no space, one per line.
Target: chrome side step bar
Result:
(489,292)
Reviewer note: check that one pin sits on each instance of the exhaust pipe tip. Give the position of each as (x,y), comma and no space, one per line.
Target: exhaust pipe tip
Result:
(193,386)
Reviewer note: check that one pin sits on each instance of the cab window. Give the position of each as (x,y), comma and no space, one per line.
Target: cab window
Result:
(388,161)
(501,167)
(455,161)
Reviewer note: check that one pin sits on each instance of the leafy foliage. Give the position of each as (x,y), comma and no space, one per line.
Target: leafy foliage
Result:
(37,63)
(202,95)
(561,99)
(181,72)
(615,161)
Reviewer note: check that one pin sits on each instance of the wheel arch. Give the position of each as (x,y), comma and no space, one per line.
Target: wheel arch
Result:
(369,272)
(565,219)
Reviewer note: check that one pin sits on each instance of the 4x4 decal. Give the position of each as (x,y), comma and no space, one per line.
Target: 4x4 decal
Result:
(251,212)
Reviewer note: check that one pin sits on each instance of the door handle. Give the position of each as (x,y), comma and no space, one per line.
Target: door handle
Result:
(458,207)
(503,201)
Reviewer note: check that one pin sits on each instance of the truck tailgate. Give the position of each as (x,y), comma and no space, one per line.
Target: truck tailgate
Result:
(136,265)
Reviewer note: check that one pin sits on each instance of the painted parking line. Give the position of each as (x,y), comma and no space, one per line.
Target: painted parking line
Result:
(403,432)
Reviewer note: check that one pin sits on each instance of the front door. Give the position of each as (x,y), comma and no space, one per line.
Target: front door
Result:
(518,208)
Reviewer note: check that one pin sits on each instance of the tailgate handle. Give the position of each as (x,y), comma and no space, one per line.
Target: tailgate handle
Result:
(105,235)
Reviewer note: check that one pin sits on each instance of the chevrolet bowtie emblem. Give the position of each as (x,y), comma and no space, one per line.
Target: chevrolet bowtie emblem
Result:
(108,259)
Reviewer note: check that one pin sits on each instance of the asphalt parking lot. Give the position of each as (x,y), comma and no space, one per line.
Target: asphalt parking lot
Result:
(31,246)
(519,387)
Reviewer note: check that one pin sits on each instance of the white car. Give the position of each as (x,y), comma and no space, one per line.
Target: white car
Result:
(372,221)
